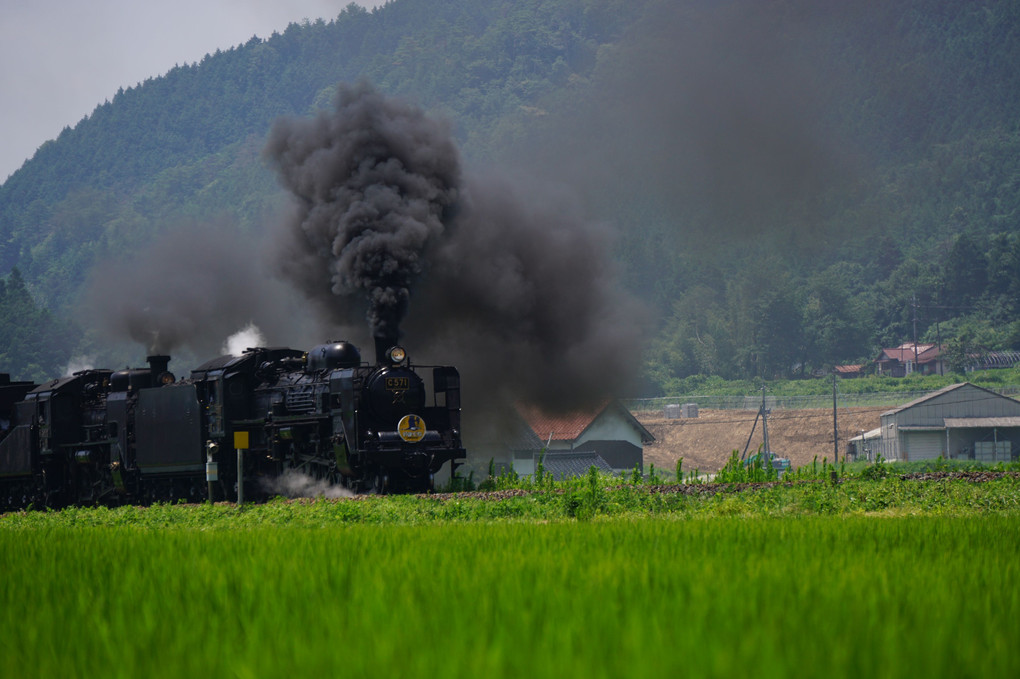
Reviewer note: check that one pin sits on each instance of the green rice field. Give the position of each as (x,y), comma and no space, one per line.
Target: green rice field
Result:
(396,587)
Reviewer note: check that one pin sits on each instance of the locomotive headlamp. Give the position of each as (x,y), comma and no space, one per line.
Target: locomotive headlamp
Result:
(397,354)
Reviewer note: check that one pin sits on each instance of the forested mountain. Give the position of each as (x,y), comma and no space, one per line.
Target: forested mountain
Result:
(791,184)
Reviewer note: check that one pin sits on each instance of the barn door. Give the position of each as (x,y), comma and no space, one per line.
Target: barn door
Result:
(924,445)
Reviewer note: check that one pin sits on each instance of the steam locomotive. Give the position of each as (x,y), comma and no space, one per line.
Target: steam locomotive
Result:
(141,435)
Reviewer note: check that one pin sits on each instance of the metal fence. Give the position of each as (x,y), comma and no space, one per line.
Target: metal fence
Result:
(891,399)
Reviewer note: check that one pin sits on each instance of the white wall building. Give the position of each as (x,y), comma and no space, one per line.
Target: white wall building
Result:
(609,432)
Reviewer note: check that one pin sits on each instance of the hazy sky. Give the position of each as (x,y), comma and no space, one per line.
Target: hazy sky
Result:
(59,59)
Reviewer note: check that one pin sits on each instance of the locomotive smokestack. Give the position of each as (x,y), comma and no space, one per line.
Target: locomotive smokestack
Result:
(159,365)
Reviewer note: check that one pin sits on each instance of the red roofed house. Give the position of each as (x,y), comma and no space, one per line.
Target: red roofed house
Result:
(849,371)
(607,436)
(909,358)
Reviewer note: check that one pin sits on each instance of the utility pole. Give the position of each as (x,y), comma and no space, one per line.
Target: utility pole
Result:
(938,337)
(835,435)
(914,304)
(765,426)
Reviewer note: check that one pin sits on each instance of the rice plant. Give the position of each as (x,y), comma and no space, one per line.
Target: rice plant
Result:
(847,596)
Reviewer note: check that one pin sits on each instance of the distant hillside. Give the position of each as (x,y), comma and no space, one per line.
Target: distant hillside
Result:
(792,184)
(186,145)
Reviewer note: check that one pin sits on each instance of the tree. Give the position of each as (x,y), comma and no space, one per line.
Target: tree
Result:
(835,320)
(33,345)
(964,272)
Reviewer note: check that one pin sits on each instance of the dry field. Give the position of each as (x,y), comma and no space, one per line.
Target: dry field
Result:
(706,442)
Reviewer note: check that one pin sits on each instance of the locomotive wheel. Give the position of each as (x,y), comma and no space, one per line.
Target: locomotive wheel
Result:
(353,483)
(382,484)
(334,477)
(424,484)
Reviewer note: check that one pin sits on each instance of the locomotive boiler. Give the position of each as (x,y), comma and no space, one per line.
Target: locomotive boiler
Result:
(141,435)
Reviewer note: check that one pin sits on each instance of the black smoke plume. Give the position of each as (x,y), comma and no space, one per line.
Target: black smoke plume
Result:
(524,287)
(504,278)
(509,281)
(727,118)
(373,181)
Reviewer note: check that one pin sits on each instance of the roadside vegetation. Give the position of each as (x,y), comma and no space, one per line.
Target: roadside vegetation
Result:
(936,487)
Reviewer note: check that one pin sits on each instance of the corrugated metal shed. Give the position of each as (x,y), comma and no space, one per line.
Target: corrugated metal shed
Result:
(956,400)
(950,422)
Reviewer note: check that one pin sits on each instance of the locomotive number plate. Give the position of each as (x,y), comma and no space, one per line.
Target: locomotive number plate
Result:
(397,383)
(411,428)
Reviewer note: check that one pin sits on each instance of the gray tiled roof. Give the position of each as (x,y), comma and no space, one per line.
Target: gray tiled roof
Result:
(562,465)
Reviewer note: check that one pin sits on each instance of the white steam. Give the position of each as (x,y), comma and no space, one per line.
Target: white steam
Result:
(293,483)
(79,363)
(247,337)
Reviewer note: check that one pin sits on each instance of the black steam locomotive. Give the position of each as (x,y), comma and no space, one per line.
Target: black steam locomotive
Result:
(140,435)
